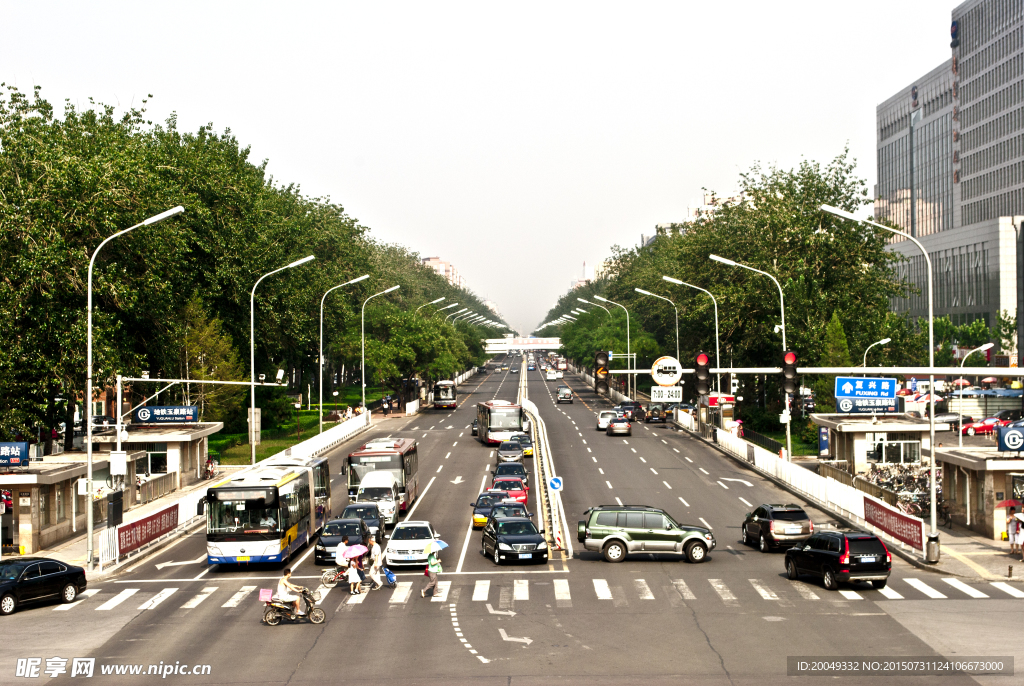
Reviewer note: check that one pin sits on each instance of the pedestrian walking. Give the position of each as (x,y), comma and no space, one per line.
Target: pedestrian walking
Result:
(353,578)
(386,405)
(1012,525)
(375,564)
(1020,535)
(339,555)
(433,569)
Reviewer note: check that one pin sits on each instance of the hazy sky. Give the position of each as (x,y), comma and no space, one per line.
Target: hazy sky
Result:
(515,140)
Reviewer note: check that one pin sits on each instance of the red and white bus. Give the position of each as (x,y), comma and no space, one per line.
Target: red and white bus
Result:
(498,420)
(445,395)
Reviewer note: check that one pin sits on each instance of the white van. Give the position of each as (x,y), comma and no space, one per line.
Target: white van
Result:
(382,488)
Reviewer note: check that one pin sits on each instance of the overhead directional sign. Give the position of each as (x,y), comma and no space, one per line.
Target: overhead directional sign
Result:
(872,394)
(666,394)
(666,371)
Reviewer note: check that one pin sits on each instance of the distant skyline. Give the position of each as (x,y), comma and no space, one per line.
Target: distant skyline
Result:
(513,140)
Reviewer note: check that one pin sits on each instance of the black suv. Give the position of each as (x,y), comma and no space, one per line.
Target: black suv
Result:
(840,556)
(656,413)
(770,526)
(632,411)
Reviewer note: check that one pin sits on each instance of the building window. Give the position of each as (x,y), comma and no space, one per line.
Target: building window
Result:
(59,493)
(157,458)
(44,505)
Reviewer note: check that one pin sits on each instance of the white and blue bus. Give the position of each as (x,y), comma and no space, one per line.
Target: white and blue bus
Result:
(267,513)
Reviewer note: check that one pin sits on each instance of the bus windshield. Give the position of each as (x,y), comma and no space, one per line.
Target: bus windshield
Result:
(234,516)
(444,392)
(506,419)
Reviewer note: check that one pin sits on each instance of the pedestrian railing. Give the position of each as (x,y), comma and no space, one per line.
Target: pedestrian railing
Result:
(157,487)
(762,440)
(318,444)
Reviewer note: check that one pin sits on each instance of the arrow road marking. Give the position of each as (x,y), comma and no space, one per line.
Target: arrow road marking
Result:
(745,483)
(500,612)
(178,564)
(457,480)
(506,637)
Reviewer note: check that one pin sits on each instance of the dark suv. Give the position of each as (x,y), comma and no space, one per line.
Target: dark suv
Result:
(770,526)
(616,530)
(656,413)
(632,411)
(839,556)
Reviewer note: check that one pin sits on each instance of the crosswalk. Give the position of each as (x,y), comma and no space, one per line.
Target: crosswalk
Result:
(508,592)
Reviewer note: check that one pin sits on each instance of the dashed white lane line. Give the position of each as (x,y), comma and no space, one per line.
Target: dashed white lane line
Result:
(609,484)
(633,449)
(593,458)
(618,501)
(643,460)
(455,444)
(723,485)
(703,470)
(705,522)
(664,441)
(447,456)
(600,470)
(744,501)
(675,450)
(461,434)
(687,459)
(423,436)
(667,485)
(584,441)
(654,471)
(683,501)
(440,467)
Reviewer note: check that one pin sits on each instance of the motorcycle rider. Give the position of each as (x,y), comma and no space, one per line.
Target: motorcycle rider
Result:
(286,591)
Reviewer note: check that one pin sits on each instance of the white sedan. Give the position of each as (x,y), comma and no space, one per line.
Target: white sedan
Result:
(406,543)
(605,416)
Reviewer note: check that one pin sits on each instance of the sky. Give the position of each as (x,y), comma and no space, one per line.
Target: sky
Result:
(516,140)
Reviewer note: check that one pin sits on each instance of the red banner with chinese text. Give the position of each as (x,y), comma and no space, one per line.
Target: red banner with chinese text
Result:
(137,534)
(902,527)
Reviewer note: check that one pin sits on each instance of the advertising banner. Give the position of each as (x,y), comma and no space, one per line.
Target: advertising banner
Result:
(902,527)
(137,534)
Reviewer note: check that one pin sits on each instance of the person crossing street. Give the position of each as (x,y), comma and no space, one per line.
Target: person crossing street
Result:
(433,569)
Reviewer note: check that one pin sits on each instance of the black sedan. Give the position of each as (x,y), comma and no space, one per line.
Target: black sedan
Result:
(334,531)
(367,512)
(513,469)
(34,579)
(513,539)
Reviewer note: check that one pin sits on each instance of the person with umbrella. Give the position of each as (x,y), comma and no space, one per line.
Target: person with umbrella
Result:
(354,574)
(1012,524)
(433,566)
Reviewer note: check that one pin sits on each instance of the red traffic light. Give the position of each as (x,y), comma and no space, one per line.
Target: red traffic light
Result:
(703,359)
(790,358)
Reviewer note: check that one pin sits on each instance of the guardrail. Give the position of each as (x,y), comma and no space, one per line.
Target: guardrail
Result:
(318,444)
(157,487)
(844,477)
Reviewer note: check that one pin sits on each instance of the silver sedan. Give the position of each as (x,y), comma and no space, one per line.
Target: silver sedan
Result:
(619,426)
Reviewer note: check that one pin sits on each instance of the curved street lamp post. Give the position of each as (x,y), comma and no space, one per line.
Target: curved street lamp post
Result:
(321,384)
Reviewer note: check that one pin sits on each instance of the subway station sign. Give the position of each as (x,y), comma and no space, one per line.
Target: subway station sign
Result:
(865,395)
(166,415)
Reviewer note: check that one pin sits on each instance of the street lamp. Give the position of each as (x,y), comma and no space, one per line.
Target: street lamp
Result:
(432,302)
(252,351)
(464,309)
(960,405)
(661,297)
(321,382)
(718,362)
(881,342)
(931,344)
(569,316)
(629,354)
(442,309)
(590,303)
(362,335)
(782,301)
(155,219)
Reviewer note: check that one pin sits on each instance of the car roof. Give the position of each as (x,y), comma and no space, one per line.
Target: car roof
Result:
(421,522)
(345,520)
(790,506)
(638,508)
(517,519)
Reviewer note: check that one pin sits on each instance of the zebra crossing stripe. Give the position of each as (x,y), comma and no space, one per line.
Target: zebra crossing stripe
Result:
(82,596)
(402,592)
(323,591)
(481,590)
(562,589)
(1007,588)
(357,598)
(721,589)
(441,592)
(889,593)
(805,591)
(237,598)
(157,599)
(602,590)
(763,590)
(924,588)
(199,597)
(850,595)
(522,590)
(961,586)
(118,599)
(683,589)
(642,589)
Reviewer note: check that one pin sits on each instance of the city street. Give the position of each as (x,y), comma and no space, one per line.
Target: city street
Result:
(732,619)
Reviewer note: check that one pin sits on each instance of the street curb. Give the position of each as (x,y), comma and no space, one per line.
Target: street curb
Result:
(848,522)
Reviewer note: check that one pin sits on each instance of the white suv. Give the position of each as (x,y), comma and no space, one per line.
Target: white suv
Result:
(552,375)
(605,416)
(406,543)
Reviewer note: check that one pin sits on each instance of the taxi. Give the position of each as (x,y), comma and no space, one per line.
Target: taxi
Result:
(484,502)
(526,442)
(513,486)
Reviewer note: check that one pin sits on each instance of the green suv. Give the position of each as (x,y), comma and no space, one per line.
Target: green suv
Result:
(617,530)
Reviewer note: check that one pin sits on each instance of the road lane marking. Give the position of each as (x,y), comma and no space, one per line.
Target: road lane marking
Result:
(924,588)
(722,590)
(599,469)
(687,459)
(602,590)
(664,441)
(402,593)
(609,483)
(199,597)
(1007,588)
(82,597)
(893,595)
(762,590)
(806,591)
(675,450)
(323,591)
(441,592)
(683,501)
(439,467)
(447,456)
(722,485)
(416,504)
(703,470)
(669,487)
(238,597)
(652,433)
(653,470)
(850,595)
(584,442)
(455,444)
(469,532)
(744,501)
(618,501)
(561,589)
(642,589)
(119,598)
(357,599)
(481,590)
(593,458)
(589,450)
(683,589)
(633,449)
(705,522)
(521,589)
(961,586)
(625,441)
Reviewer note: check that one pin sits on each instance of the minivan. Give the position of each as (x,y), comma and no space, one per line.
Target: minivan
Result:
(381,487)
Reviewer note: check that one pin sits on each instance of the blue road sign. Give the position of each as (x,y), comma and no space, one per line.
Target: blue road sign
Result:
(913,383)
(555,483)
(14,454)
(858,387)
(822,441)
(1010,439)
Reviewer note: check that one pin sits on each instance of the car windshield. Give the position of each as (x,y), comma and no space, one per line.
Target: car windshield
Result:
(619,420)
(866,546)
(508,511)
(516,528)
(411,533)
(359,512)
(509,446)
(509,485)
(511,468)
(608,414)
(790,515)
(10,572)
(488,500)
(375,493)
(342,529)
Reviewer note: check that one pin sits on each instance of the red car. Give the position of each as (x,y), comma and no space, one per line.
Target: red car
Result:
(983,427)
(513,486)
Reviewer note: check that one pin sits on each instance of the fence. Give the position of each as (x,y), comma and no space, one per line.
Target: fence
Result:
(413,407)
(831,494)
(156,487)
(762,440)
(844,477)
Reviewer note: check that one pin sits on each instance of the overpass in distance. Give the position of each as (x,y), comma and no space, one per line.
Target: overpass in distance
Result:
(509,343)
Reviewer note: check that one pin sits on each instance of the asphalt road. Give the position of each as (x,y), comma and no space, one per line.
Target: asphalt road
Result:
(733,619)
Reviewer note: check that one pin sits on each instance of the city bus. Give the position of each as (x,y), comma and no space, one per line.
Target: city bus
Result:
(498,420)
(267,513)
(445,395)
(395,455)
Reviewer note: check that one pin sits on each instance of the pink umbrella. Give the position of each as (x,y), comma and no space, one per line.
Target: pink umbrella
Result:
(355,551)
(961,382)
